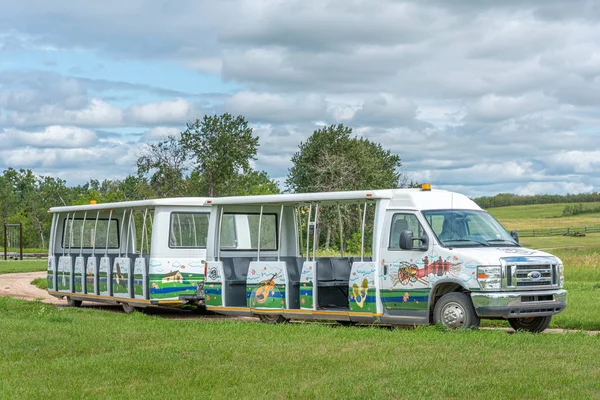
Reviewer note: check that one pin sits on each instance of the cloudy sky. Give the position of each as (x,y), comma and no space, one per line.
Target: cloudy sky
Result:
(476,96)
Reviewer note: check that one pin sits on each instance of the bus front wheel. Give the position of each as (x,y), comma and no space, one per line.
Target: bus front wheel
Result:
(455,310)
(533,324)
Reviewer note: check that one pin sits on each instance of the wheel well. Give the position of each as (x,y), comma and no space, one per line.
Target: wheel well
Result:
(439,290)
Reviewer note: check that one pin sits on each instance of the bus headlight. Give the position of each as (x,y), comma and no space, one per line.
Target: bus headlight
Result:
(489,277)
(561,275)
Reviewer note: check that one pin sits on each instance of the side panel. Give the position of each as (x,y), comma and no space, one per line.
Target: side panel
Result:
(140,279)
(308,292)
(175,278)
(51,273)
(121,273)
(213,288)
(91,275)
(267,285)
(64,277)
(79,276)
(362,293)
(104,277)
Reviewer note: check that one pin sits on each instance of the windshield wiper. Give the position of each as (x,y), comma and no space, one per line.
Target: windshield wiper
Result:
(466,240)
(503,241)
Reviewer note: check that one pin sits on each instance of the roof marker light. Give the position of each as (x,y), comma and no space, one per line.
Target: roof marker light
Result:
(426,187)
(92,201)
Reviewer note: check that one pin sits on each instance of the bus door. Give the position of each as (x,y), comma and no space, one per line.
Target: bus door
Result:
(404,280)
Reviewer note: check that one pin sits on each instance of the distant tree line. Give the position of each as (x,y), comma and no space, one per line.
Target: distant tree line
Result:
(579,208)
(509,199)
(213,156)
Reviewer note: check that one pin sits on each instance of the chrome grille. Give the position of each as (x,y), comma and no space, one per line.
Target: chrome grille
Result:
(528,274)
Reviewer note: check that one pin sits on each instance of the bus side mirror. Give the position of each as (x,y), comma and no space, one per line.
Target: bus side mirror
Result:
(515,235)
(407,241)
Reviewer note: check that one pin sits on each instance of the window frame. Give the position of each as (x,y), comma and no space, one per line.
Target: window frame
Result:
(171,214)
(91,220)
(235,230)
(416,215)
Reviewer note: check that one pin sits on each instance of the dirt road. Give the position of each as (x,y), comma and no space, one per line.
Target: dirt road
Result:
(19,286)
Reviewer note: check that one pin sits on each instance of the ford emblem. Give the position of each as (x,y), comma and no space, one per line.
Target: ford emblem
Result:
(534,275)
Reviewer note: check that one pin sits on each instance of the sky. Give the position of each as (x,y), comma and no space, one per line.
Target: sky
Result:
(476,96)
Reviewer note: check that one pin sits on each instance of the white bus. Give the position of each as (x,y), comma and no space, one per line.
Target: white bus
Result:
(436,257)
(135,253)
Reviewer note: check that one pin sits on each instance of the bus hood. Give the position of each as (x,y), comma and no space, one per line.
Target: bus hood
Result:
(492,255)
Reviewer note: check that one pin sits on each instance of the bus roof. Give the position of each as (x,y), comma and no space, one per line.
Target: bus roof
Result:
(296,198)
(415,199)
(175,201)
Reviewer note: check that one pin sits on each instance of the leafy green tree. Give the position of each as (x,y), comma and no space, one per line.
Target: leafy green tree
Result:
(220,148)
(332,159)
(165,161)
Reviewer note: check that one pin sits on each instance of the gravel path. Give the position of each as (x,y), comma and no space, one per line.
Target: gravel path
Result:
(19,286)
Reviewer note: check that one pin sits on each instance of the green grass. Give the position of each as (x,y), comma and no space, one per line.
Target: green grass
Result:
(543,216)
(12,266)
(79,353)
(41,283)
(534,210)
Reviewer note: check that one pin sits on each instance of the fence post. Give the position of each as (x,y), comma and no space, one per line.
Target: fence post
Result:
(5,242)
(21,240)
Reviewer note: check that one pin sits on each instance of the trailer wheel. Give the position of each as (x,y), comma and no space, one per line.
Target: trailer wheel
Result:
(455,310)
(128,308)
(73,303)
(272,319)
(533,324)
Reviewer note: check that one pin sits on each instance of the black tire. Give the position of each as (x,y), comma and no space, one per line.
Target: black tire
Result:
(201,310)
(455,310)
(347,323)
(128,308)
(73,303)
(533,324)
(272,319)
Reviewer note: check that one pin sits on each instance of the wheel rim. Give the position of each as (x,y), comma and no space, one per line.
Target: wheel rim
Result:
(270,318)
(453,315)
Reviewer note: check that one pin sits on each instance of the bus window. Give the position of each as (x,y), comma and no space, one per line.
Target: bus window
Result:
(188,230)
(89,235)
(240,232)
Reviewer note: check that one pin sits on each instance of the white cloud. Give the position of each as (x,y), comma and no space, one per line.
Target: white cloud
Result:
(268,107)
(474,95)
(59,137)
(175,111)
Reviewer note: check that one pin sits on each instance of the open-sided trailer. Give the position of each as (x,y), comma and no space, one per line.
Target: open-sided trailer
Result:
(134,253)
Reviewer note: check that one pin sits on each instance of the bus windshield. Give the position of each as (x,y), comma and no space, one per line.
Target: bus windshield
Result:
(468,228)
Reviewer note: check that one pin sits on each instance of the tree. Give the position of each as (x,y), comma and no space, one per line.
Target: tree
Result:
(220,148)
(333,160)
(165,161)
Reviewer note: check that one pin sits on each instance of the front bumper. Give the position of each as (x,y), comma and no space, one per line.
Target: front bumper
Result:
(519,304)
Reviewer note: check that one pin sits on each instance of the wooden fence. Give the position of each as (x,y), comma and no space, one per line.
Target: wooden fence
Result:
(572,231)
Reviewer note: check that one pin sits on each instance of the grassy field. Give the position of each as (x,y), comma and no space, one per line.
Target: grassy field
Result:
(79,353)
(543,216)
(11,266)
